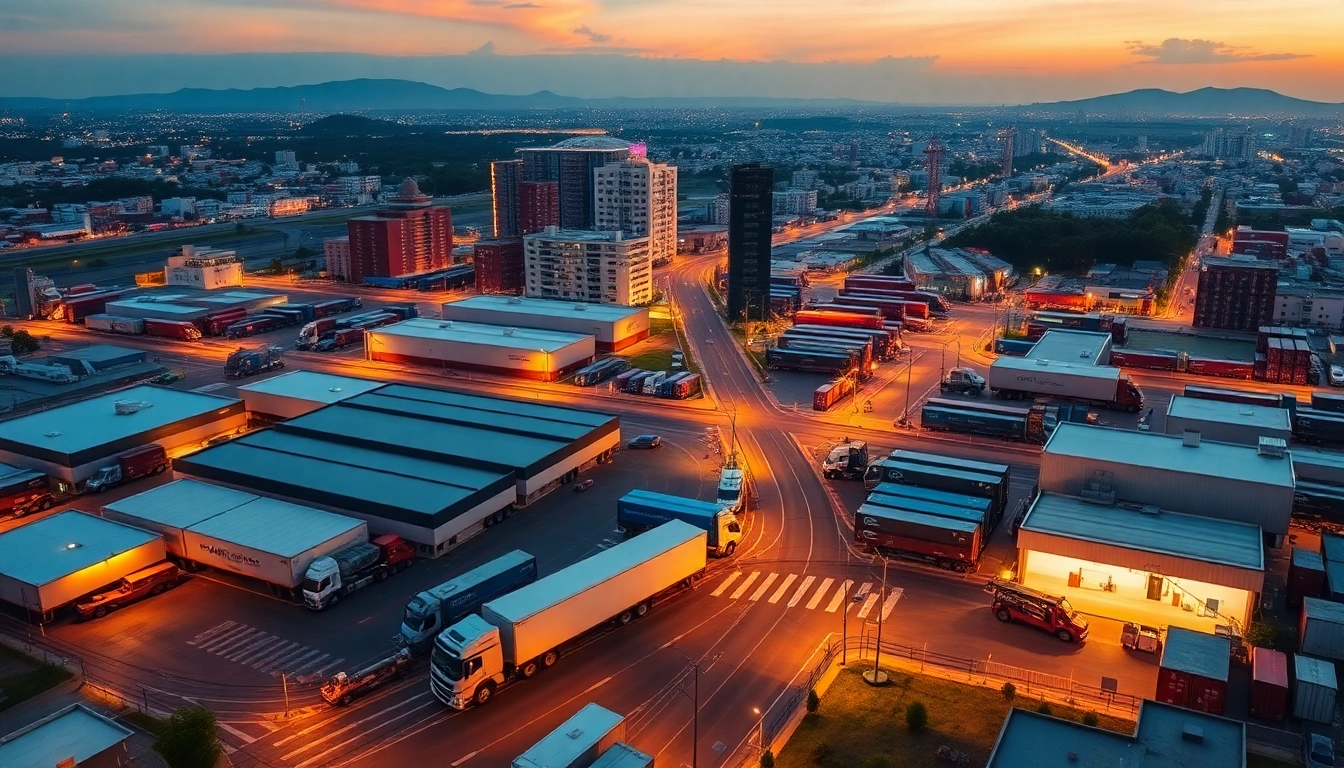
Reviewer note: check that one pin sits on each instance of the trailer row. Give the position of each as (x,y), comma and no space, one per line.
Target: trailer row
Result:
(233,322)
(677,385)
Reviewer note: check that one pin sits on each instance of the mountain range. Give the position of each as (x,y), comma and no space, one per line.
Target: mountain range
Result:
(408,95)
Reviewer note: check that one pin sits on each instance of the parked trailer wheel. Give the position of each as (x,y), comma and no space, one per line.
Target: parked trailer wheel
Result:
(499,517)
(642,610)
(160,469)
(334,600)
(100,612)
(344,701)
(156,589)
(1003,615)
(961,567)
(626,617)
(730,549)
(529,669)
(549,658)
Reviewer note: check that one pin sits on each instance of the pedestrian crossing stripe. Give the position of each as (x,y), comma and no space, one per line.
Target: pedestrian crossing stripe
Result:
(784,587)
(264,652)
(745,585)
(802,589)
(864,600)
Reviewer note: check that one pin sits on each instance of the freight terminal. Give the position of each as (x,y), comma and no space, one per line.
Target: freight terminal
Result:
(614,327)
(524,352)
(71,442)
(415,461)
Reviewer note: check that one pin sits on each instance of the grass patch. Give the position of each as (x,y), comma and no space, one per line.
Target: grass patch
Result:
(665,337)
(145,722)
(859,725)
(28,678)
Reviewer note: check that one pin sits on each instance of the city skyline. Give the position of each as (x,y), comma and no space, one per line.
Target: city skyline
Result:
(964,52)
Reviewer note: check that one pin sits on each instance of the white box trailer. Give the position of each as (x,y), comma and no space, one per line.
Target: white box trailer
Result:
(1054,378)
(271,540)
(115,324)
(171,509)
(578,742)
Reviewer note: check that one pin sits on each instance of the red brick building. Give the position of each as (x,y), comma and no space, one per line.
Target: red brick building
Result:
(499,266)
(408,237)
(538,206)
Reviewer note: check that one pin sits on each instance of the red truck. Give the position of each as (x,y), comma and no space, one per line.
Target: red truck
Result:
(23,490)
(1016,603)
(214,325)
(172,329)
(134,464)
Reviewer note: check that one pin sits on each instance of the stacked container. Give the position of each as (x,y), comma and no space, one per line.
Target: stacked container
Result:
(1269,684)
(1283,355)
(1321,628)
(1306,575)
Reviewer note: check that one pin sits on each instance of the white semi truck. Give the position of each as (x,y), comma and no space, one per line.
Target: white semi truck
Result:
(1017,378)
(517,635)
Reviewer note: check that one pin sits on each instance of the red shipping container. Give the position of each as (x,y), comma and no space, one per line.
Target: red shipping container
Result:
(1274,351)
(1269,684)
(1194,670)
(1230,369)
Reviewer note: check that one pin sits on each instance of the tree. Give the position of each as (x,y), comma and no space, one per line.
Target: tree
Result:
(813,701)
(25,343)
(189,739)
(916,717)
(1090,718)
(1009,691)
(767,759)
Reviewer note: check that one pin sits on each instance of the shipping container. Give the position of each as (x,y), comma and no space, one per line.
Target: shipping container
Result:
(830,393)
(1334,582)
(1321,628)
(882,341)
(1319,427)
(880,282)
(1306,575)
(1001,473)
(950,511)
(838,319)
(859,355)
(1315,689)
(215,324)
(252,326)
(687,387)
(1332,547)
(172,329)
(890,306)
(1194,670)
(946,542)
(1269,684)
(815,362)
(1152,361)
(979,504)
(1327,401)
(132,326)
(1227,369)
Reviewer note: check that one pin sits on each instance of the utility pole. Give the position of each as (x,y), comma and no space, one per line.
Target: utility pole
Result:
(877,676)
(694,696)
(909,367)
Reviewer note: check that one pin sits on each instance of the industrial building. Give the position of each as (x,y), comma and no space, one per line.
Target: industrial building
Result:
(1140,563)
(182,304)
(1236,293)
(1076,347)
(1110,465)
(450,344)
(413,461)
(72,736)
(295,393)
(1166,736)
(70,442)
(613,327)
(52,562)
(205,268)
(594,267)
(1227,422)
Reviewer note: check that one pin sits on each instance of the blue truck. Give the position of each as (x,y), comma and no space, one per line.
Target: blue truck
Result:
(429,612)
(639,511)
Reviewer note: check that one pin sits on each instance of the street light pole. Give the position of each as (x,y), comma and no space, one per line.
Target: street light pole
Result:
(760,728)
(877,676)
(695,703)
(844,630)
(909,368)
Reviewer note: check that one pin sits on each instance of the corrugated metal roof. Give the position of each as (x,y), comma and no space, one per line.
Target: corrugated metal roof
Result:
(1197,653)
(602,313)
(1199,409)
(1156,451)
(1066,346)
(90,423)
(277,527)
(313,386)
(437,413)
(1307,669)
(1190,537)
(1323,610)
(1024,365)
(74,732)
(181,503)
(40,552)
(1306,558)
(484,404)
(479,333)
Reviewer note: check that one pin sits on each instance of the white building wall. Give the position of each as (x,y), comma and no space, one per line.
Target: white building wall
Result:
(638,198)
(585,268)
(337,251)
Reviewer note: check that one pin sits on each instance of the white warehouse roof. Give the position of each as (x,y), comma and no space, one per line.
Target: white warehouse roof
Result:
(254,525)
(1167,452)
(606,313)
(1218,411)
(75,732)
(298,392)
(478,333)
(181,503)
(54,547)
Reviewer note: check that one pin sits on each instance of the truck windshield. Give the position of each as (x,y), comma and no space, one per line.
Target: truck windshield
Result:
(415,616)
(449,664)
(315,586)
(874,472)
(1067,608)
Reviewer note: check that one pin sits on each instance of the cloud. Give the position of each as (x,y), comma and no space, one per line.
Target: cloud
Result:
(516,6)
(504,4)
(485,50)
(1176,50)
(592,35)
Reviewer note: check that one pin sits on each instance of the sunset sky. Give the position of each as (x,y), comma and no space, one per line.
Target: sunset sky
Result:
(951,51)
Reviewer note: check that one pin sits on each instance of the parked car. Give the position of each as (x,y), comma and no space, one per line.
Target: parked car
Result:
(136,586)
(583,485)
(1318,751)
(1336,376)
(645,441)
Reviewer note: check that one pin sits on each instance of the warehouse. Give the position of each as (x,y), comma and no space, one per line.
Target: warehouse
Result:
(614,327)
(172,508)
(1082,347)
(1235,482)
(157,307)
(97,358)
(1143,564)
(1225,422)
(414,461)
(71,442)
(523,352)
(293,394)
(52,562)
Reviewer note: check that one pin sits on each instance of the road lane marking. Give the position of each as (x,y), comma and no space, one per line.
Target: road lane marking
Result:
(782,588)
(280,653)
(246,651)
(333,665)
(311,664)
(266,648)
(867,605)
(802,589)
(229,638)
(745,585)
(731,578)
(229,644)
(211,632)
(598,684)
(243,737)
(839,596)
(318,759)
(305,658)
(462,759)
(890,604)
(760,591)
(821,593)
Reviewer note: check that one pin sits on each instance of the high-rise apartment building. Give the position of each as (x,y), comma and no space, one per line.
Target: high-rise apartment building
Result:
(593,267)
(504,178)
(639,199)
(337,251)
(538,206)
(718,209)
(410,236)
(1236,293)
(285,159)
(1230,144)
(751,205)
(571,164)
(499,266)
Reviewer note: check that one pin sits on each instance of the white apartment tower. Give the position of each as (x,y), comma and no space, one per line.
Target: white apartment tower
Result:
(592,267)
(638,199)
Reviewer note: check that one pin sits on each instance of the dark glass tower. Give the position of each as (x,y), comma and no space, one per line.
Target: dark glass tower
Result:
(750,206)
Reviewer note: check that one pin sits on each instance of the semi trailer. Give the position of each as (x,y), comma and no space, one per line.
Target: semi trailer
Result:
(639,511)
(132,465)
(429,612)
(1016,378)
(331,577)
(948,543)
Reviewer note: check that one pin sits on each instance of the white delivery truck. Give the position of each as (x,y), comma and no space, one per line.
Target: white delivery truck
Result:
(1017,378)
(578,742)
(523,632)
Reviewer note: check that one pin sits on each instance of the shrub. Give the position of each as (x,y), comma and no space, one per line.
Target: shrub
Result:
(189,739)
(813,701)
(1090,718)
(916,717)
(1009,691)
(1045,709)
(822,753)
(767,759)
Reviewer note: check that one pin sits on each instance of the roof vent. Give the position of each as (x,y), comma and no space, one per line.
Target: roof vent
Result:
(51,434)
(510,331)
(575,733)
(1149,509)
(127,407)
(1272,447)
(1192,733)
(580,307)
(1190,438)
(446,324)
(1073,757)
(333,389)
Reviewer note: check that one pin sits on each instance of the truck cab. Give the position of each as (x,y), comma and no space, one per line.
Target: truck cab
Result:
(327,578)
(963,381)
(1049,613)
(468,663)
(731,485)
(848,460)
(149,459)
(1129,396)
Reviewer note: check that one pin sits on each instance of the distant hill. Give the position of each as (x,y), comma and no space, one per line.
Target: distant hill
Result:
(1205,102)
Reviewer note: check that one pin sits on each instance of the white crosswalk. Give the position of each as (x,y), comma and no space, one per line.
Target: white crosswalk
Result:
(863,599)
(265,652)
